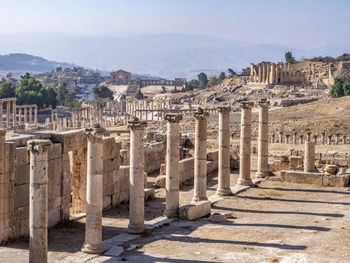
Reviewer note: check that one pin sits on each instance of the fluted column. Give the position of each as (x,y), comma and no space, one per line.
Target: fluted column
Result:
(263,142)
(172,165)
(245,144)
(38,199)
(224,151)
(200,156)
(136,202)
(94,190)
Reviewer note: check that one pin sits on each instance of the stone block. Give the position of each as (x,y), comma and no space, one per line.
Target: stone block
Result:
(301,177)
(22,174)
(111,148)
(21,156)
(55,152)
(195,210)
(21,195)
(70,140)
(336,181)
(160,181)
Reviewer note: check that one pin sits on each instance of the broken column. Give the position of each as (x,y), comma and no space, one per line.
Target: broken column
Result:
(338,138)
(309,159)
(344,139)
(329,139)
(308,138)
(301,138)
(172,165)
(245,144)
(295,139)
(287,139)
(200,156)
(136,202)
(263,144)
(224,151)
(281,137)
(315,139)
(273,138)
(94,190)
(38,200)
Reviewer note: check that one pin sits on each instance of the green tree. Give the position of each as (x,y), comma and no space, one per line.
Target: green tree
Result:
(246,71)
(231,72)
(222,76)
(289,57)
(62,92)
(213,81)
(7,89)
(102,92)
(193,84)
(346,88)
(337,90)
(203,80)
(31,91)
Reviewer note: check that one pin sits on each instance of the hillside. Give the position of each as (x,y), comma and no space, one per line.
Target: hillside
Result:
(27,63)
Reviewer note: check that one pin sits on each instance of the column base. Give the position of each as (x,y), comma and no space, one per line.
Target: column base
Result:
(247,182)
(196,199)
(136,229)
(261,174)
(92,249)
(171,213)
(223,191)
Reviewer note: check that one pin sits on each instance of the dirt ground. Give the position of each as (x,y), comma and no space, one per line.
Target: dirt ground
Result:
(274,222)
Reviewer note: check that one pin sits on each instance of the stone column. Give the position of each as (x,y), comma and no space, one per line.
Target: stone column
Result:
(315,139)
(35,115)
(309,160)
(25,116)
(8,114)
(30,114)
(273,138)
(323,139)
(19,116)
(136,202)
(200,156)
(172,165)
(281,137)
(14,118)
(338,138)
(301,138)
(308,136)
(245,144)
(224,151)
(329,139)
(38,200)
(295,139)
(287,138)
(344,139)
(94,190)
(1,115)
(263,143)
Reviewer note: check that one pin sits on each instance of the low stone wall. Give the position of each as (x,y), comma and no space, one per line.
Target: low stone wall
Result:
(315,178)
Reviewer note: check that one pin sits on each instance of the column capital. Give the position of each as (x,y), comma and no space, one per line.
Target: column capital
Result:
(135,123)
(224,109)
(264,102)
(201,114)
(39,145)
(96,131)
(247,105)
(173,117)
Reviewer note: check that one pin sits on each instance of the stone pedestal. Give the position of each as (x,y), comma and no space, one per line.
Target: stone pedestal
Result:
(245,144)
(263,143)
(94,190)
(172,165)
(200,156)
(309,160)
(38,200)
(224,152)
(136,201)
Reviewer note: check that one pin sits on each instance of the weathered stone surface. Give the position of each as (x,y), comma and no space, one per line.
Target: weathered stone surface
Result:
(114,251)
(301,177)
(195,210)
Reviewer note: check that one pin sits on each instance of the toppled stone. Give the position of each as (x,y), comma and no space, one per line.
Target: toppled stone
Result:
(195,210)
(149,194)
(118,240)
(158,222)
(238,189)
(78,258)
(219,217)
(214,198)
(160,181)
(114,251)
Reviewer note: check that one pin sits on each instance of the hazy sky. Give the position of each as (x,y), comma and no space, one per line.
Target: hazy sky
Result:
(292,22)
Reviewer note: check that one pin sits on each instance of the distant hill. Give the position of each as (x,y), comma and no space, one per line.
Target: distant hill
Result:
(28,63)
(165,55)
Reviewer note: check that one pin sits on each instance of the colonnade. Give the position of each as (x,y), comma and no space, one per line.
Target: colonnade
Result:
(316,138)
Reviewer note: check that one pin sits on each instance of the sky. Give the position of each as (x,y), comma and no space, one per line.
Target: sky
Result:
(299,23)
